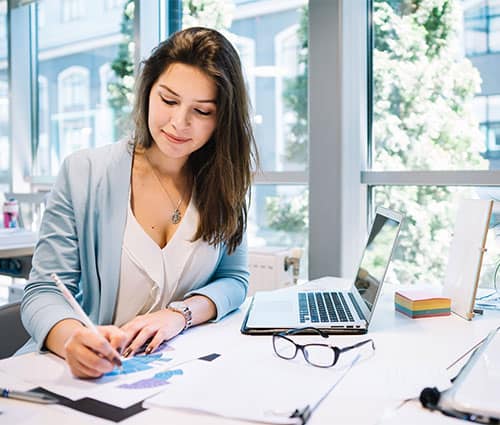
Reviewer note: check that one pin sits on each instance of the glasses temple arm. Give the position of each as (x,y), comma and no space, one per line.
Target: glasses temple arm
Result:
(359,344)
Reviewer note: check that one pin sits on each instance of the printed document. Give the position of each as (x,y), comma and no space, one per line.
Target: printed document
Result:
(252,383)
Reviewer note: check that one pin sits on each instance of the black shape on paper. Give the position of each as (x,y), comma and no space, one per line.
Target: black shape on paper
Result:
(209,357)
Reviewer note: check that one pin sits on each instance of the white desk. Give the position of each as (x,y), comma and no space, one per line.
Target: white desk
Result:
(17,243)
(407,350)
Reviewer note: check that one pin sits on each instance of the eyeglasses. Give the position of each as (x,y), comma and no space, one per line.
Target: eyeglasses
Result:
(319,355)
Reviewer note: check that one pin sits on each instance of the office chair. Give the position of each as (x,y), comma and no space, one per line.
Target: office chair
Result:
(12,332)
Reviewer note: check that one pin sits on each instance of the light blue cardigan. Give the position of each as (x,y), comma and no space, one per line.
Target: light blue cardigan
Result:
(81,238)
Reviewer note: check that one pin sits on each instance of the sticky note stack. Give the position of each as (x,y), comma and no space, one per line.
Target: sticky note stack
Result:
(416,303)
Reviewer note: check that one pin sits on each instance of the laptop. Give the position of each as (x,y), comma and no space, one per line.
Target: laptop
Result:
(329,309)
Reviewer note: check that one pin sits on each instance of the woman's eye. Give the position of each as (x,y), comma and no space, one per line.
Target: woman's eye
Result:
(168,102)
(204,113)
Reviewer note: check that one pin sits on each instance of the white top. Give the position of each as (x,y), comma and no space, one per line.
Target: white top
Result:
(151,277)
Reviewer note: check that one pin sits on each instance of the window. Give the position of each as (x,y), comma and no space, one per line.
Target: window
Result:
(291,133)
(114,4)
(73,72)
(72,10)
(271,38)
(435,133)
(4,101)
(41,15)
(246,49)
(476,29)
(104,114)
(73,88)
(482,26)
(487,111)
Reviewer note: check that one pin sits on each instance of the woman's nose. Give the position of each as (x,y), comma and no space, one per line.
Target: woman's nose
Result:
(180,119)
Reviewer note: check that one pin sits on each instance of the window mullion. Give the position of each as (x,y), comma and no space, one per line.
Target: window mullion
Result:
(432,178)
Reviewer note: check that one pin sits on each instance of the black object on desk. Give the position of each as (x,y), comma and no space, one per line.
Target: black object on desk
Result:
(16,266)
(95,407)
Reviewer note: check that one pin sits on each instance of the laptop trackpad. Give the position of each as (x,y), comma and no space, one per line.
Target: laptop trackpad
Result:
(270,313)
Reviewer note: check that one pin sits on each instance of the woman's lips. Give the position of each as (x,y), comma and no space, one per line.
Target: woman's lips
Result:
(175,139)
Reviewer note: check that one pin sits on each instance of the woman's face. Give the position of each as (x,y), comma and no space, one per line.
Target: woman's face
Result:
(182,110)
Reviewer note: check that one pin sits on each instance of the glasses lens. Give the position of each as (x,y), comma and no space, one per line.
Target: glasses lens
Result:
(284,347)
(319,355)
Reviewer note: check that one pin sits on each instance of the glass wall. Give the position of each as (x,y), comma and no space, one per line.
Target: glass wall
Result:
(4,101)
(482,26)
(426,233)
(272,42)
(435,108)
(74,75)
(84,62)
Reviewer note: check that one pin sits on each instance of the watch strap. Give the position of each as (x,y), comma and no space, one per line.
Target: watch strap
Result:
(182,308)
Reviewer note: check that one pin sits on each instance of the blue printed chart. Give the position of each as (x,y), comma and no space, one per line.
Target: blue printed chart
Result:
(145,375)
(158,380)
(138,364)
(140,377)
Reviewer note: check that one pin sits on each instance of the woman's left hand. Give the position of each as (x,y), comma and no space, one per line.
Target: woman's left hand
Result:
(153,327)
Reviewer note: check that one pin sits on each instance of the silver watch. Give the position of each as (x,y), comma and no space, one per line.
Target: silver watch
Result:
(183,308)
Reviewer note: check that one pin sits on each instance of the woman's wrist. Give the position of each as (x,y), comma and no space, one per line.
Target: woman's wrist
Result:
(183,309)
(59,335)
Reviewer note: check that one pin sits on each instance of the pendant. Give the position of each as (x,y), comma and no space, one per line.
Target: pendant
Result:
(176,216)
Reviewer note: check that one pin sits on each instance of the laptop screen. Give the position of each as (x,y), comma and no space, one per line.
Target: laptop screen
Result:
(376,256)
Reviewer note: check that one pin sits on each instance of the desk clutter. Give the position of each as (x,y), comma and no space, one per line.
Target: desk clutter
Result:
(177,376)
(418,303)
(214,370)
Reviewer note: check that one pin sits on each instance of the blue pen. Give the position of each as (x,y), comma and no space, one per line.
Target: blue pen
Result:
(28,396)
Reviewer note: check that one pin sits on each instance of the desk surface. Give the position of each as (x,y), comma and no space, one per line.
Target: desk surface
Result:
(17,243)
(407,353)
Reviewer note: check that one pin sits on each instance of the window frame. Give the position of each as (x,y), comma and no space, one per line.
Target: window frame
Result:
(338,129)
(451,178)
(487,19)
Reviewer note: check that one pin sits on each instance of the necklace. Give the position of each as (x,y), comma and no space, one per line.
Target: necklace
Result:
(176,216)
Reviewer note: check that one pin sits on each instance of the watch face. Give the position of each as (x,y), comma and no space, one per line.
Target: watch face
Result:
(177,305)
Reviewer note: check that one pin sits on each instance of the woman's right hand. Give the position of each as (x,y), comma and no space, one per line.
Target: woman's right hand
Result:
(89,355)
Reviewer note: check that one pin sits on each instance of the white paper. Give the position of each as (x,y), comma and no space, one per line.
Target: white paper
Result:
(412,413)
(251,382)
(407,377)
(466,254)
(121,389)
(10,413)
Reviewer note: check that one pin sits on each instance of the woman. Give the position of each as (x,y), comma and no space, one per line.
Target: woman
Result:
(149,234)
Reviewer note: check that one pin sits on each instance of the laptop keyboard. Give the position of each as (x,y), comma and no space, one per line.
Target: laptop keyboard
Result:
(320,307)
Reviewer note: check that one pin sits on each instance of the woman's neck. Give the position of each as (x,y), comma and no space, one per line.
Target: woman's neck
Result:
(172,168)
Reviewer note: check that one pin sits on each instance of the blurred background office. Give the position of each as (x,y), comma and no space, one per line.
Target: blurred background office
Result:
(356,103)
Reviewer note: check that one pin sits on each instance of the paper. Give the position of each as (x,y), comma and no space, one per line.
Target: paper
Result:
(412,413)
(10,411)
(466,255)
(142,376)
(251,382)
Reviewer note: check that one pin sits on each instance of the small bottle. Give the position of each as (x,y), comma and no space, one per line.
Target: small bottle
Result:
(10,213)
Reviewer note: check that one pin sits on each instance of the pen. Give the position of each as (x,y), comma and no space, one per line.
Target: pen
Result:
(80,313)
(28,396)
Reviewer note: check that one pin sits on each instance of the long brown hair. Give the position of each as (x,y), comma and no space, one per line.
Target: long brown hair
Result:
(222,168)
